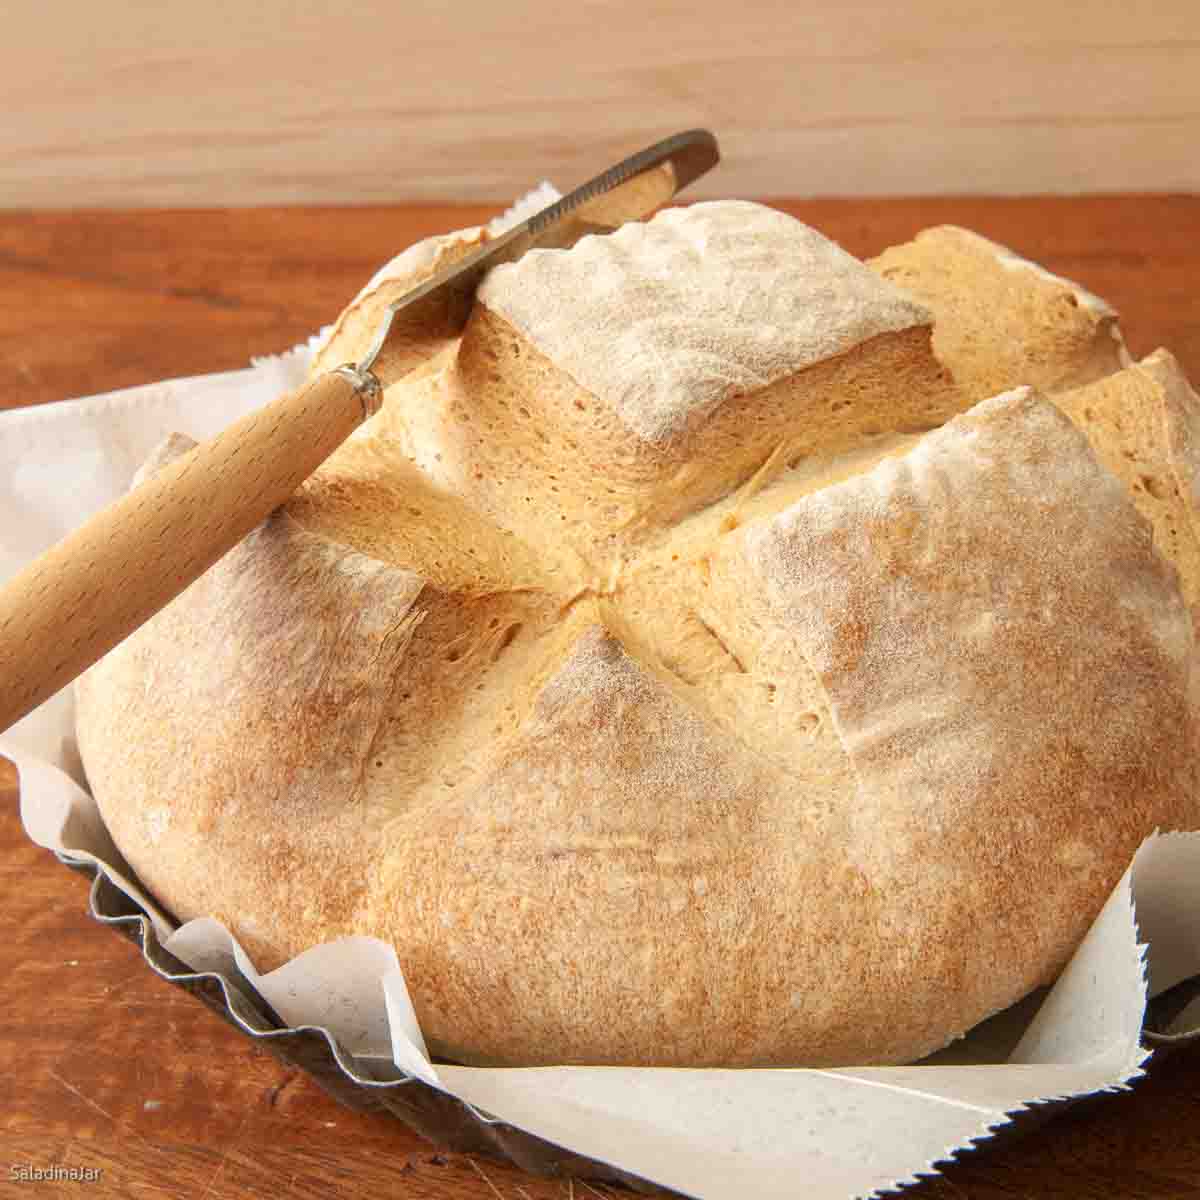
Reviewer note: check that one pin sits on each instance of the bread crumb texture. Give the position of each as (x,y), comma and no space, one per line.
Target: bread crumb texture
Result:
(724,653)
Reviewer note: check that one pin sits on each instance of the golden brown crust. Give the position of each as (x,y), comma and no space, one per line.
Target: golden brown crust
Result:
(1181,421)
(1142,424)
(823,773)
(228,738)
(1011,674)
(1001,321)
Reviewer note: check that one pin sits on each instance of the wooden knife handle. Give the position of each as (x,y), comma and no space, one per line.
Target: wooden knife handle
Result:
(95,587)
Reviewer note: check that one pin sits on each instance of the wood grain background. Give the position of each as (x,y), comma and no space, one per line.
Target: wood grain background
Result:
(129,103)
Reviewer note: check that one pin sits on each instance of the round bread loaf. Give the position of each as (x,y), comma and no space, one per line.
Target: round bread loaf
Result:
(688,667)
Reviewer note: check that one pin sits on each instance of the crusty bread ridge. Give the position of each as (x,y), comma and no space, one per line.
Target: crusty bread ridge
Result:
(1143,423)
(786,706)
(1001,319)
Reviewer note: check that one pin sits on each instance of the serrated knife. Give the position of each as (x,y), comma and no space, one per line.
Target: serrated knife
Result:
(90,591)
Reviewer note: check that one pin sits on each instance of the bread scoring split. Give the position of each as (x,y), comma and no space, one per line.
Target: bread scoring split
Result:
(672,675)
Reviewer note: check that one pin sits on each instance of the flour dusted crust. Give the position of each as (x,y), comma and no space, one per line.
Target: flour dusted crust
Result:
(991,664)
(810,729)
(618,807)
(666,320)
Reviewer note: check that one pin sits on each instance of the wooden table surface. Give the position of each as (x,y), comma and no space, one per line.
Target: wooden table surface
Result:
(112,1068)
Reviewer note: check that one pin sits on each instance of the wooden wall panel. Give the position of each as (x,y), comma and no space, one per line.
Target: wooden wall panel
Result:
(232,102)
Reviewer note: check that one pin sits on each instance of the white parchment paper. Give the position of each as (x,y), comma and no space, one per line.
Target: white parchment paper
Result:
(717,1134)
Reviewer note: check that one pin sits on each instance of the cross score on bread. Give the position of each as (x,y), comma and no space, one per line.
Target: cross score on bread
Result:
(725,653)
